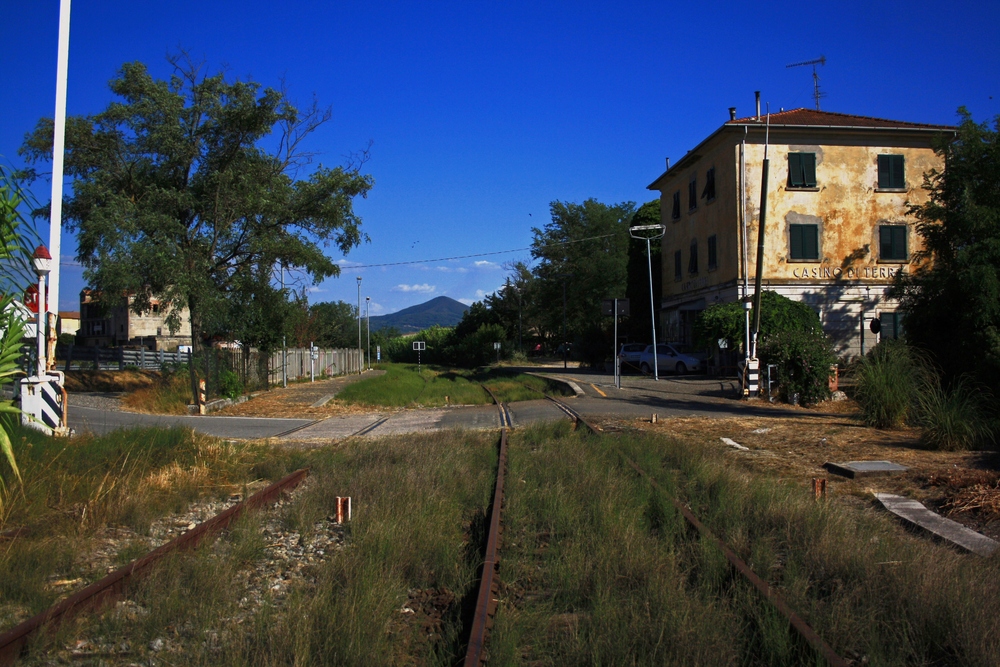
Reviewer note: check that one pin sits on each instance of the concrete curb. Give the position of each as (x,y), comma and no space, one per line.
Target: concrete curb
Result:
(569,383)
(219,404)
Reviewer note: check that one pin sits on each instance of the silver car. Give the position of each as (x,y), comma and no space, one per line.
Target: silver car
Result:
(668,359)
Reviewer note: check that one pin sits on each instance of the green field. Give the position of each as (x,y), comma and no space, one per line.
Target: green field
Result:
(434,386)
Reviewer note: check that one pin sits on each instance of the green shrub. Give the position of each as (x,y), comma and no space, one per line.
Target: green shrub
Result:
(230,384)
(888,381)
(953,418)
(803,359)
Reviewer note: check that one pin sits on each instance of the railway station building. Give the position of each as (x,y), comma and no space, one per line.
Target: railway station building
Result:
(837,228)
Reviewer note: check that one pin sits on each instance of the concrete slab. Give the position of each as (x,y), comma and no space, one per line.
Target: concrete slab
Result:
(915,514)
(323,401)
(855,469)
(524,413)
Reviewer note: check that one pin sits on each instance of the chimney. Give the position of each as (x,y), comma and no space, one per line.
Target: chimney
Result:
(732,113)
(668,164)
(756,94)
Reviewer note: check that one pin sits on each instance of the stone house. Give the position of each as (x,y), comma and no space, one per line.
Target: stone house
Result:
(122,326)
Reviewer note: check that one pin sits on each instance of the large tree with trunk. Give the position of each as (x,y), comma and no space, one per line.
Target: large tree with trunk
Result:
(183,187)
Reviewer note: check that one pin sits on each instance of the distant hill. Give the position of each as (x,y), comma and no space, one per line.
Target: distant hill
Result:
(441,311)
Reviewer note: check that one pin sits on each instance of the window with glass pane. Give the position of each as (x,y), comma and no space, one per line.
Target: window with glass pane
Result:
(676,212)
(890,172)
(693,259)
(801,170)
(693,193)
(892,242)
(713,258)
(803,241)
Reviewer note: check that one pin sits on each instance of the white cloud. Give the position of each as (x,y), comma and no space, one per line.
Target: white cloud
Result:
(467,302)
(420,289)
(483,264)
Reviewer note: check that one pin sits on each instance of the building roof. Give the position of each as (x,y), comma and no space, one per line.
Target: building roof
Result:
(808,119)
(815,118)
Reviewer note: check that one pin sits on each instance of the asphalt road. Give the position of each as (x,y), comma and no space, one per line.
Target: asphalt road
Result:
(597,397)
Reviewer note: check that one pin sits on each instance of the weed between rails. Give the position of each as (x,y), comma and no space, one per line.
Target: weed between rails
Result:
(391,595)
(599,569)
(74,491)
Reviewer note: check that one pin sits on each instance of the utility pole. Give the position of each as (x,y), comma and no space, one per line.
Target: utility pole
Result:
(361,355)
(819,61)
(368,328)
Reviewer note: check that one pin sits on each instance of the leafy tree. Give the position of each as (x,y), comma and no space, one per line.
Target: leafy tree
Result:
(639,324)
(183,186)
(791,337)
(335,324)
(582,260)
(952,305)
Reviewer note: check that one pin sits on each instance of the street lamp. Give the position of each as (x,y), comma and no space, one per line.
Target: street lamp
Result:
(650,232)
(361,356)
(368,327)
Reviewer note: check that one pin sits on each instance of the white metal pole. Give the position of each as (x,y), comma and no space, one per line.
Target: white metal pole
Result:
(368,329)
(652,307)
(40,326)
(58,151)
(361,356)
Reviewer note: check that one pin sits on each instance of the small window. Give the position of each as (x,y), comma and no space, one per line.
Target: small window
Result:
(678,265)
(891,325)
(693,259)
(708,194)
(675,213)
(890,172)
(803,241)
(892,242)
(801,170)
(693,193)
(713,258)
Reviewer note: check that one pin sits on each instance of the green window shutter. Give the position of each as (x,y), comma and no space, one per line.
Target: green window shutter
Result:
(899,242)
(883,171)
(896,177)
(795,238)
(795,170)
(809,170)
(810,241)
(885,242)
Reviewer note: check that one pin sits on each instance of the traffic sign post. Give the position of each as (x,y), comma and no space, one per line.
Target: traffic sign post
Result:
(496,346)
(419,346)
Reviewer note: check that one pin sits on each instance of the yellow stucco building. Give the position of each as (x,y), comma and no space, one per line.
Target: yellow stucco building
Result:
(836,230)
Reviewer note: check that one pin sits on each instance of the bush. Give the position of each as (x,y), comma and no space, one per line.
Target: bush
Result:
(953,418)
(889,380)
(803,359)
(230,384)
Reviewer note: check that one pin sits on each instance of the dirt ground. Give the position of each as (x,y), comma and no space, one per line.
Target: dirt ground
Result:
(110,381)
(297,399)
(964,486)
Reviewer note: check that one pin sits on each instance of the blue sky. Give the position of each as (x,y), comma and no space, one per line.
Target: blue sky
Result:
(481,114)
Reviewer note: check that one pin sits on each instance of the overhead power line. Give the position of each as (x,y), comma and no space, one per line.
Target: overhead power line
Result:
(479,254)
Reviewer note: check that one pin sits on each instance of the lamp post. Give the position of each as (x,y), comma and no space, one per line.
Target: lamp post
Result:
(650,232)
(368,329)
(361,356)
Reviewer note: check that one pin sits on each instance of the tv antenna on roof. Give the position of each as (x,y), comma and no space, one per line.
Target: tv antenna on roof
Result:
(819,61)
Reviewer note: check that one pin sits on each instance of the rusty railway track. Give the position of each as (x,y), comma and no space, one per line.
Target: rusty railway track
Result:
(107,589)
(797,622)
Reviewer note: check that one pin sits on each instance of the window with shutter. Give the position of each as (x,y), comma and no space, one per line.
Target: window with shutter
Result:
(803,241)
(676,212)
(892,242)
(890,172)
(678,266)
(708,194)
(693,193)
(801,170)
(693,259)
(713,256)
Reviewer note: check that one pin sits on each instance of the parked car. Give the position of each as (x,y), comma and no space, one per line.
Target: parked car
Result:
(629,354)
(668,359)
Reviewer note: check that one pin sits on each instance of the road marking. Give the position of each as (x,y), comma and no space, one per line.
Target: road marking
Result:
(598,390)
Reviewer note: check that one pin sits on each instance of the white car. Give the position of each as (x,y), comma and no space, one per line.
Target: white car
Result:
(668,360)
(630,354)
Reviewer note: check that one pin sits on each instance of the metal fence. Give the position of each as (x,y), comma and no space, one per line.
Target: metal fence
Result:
(224,369)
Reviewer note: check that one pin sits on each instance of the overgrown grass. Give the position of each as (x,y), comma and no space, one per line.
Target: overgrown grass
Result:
(888,381)
(71,489)
(169,396)
(954,418)
(418,509)
(436,386)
